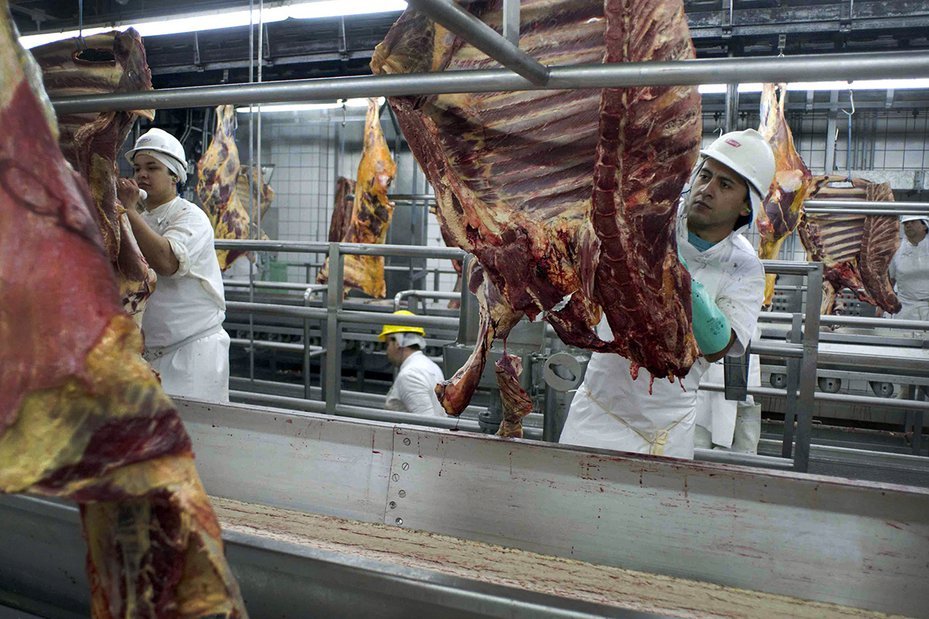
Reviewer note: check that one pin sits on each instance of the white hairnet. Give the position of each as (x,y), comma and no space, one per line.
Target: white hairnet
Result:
(173,165)
(409,339)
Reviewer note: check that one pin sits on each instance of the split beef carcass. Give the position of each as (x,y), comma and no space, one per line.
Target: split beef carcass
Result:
(783,206)
(223,187)
(855,250)
(99,64)
(341,209)
(567,198)
(82,416)
(371,211)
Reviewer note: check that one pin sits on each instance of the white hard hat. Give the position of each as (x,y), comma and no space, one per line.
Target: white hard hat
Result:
(750,156)
(160,142)
(906,218)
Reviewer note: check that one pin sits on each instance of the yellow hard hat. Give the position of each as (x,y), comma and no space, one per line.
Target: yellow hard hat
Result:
(390,329)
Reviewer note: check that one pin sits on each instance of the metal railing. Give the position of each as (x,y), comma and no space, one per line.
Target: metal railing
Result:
(332,316)
(801,354)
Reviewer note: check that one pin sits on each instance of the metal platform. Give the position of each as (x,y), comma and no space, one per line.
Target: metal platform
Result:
(826,540)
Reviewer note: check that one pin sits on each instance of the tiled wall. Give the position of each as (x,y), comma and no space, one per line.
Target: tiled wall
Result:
(309,150)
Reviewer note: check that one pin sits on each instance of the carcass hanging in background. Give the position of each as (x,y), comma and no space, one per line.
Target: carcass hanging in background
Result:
(223,187)
(99,64)
(568,199)
(783,206)
(371,211)
(82,416)
(855,250)
(341,209)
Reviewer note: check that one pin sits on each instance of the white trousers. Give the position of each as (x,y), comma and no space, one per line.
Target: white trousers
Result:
(198,369)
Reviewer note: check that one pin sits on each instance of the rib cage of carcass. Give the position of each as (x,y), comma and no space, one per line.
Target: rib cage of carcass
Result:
(100,64)
(855,249)
(567,198)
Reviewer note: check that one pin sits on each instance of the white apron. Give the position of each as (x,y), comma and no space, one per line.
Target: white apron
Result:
(612,411)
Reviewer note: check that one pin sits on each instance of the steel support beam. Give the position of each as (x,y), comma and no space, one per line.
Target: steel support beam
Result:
(511,22)
(689,72)
(484,38)
(807,383)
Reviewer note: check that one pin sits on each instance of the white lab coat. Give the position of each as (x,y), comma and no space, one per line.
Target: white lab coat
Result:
(184,339)
(910,269)
(414,389)
(613,411)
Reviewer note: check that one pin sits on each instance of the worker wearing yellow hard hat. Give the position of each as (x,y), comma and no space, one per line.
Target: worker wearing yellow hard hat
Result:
(390,329)
(413,390)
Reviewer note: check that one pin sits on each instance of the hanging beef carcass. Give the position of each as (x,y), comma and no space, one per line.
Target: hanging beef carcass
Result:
(99,64)
(341,209)
(251,179)
(783,206)
(82,416)
(855,250)
(223,187)
(567,198)
(371,210)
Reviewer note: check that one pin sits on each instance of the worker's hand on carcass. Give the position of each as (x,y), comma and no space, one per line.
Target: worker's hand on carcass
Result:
(128,193)
(711,327)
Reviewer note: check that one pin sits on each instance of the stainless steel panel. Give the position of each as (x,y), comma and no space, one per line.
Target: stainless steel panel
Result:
(817,538)
(42,572)
(827,539)
(42,558)
(291,459)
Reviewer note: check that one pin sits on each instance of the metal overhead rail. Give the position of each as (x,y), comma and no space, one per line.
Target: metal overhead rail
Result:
(821,67)
(484,38)
(862,207)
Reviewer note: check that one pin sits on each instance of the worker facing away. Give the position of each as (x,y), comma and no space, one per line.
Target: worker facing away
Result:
(413,390)
(909,271)
(613,411)
(182,324)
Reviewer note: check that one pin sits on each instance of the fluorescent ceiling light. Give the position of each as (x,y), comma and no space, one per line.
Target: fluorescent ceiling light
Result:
(229,19)
(890,84)
(304,107)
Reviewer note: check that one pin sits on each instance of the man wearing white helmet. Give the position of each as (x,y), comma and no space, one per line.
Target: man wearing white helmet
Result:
(909,270)
(611,410)
(413,390)
(182,324)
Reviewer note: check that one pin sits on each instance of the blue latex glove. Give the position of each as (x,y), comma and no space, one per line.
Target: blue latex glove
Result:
(711,327)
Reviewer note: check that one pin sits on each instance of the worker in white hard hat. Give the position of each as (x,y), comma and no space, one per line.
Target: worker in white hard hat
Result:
(909,270)
(413,390)
(183,320)
(611,409)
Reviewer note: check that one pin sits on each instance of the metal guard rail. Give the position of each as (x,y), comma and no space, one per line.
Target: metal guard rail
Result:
(333,317)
